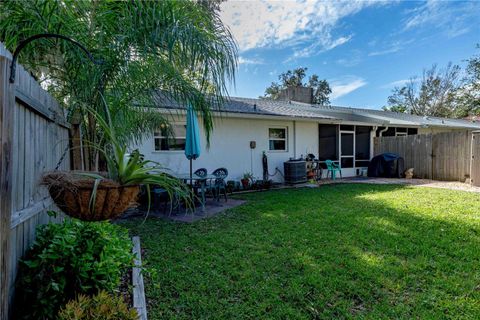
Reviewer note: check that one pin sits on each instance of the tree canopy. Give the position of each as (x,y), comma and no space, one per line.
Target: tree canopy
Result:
(178,47)
(295,78)
(440,92)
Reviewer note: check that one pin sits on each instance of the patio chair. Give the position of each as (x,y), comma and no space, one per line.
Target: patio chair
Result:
(220,184)
(160,195)
(317,170)
(201,184)
(332,168)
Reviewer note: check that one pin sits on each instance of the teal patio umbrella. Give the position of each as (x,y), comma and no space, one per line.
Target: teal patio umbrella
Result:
(192,143)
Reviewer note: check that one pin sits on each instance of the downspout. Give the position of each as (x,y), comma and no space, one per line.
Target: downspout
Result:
(294,139)
(372,141)
(382,131)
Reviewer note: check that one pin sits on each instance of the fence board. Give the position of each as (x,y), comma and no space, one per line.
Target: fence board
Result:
(39,133)
(440,156)
(475,160)
(6,174)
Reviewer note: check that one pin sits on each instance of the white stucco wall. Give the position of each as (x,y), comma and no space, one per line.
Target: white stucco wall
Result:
(230,147)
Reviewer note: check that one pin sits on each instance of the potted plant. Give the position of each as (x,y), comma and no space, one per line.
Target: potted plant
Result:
(247,177)
(94,196)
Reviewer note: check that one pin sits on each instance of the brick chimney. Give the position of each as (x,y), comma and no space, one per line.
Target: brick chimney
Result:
(299,94)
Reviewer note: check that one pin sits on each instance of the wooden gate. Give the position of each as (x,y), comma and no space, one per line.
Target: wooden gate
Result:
(476,159)
(34,137)
(451,155)
(440,156)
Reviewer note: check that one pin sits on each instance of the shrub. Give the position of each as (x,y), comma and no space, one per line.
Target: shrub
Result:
(99,307)
(69,259)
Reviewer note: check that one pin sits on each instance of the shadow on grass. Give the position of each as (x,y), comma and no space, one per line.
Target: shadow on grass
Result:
(339,251)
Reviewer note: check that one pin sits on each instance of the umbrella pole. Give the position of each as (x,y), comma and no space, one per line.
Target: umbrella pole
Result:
(191,172)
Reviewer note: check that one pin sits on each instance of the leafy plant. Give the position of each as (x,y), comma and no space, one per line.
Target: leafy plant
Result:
(248,176)
(68,259)
(130,168)
(99,307)
(178,47)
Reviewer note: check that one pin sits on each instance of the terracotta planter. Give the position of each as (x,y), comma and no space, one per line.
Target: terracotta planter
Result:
(310,174)
(110,200)
(245,183)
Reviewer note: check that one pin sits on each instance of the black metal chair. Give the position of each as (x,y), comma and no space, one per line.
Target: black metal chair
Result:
(201,184)
(220,185)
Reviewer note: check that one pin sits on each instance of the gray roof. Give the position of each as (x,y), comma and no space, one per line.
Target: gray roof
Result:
(293,109)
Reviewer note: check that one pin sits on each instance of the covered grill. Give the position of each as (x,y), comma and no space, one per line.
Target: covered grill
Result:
(389,165)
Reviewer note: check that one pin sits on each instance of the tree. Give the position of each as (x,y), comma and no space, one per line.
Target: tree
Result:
(435,94)
(321,90)
(294,78)
(469,93)
(176,47)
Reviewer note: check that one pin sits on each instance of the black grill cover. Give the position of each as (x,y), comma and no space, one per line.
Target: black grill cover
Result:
(388,165)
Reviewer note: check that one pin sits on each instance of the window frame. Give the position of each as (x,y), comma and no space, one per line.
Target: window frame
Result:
(278,139)
(155,137)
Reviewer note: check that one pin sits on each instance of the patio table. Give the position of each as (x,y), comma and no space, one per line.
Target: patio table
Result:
(185,177)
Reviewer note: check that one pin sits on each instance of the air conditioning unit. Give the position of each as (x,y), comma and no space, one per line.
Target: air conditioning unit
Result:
(295,171)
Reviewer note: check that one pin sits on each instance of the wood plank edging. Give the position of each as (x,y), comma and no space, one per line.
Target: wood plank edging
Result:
(139,302)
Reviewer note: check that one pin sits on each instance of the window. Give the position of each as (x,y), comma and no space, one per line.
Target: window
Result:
(170,138)
(401,132)
(277,139)
(344,127)
(362,144)
(412,131)
(396,131)
(328,138)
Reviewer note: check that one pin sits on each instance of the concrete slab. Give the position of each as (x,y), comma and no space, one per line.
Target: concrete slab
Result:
(212,208)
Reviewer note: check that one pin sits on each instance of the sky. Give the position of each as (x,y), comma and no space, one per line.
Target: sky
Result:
(363,48)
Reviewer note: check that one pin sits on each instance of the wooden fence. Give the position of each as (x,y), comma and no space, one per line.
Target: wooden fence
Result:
(440,156)
(475,176)
(34,136)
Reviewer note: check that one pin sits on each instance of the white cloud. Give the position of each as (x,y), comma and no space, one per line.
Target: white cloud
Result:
(353,58)
(310,24)
(452,18)
(242,60)
(382,52)
(399,83)
(315,48)
(345,86)
(392,47)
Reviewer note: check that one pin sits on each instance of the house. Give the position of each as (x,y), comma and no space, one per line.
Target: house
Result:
(286,129)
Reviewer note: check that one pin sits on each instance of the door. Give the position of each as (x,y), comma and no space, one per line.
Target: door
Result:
(475,165)
(347,152)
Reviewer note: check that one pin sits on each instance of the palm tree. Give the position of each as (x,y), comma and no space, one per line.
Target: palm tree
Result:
(180,48)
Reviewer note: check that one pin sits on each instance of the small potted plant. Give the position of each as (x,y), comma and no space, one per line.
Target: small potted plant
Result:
(230,186)
(247,178)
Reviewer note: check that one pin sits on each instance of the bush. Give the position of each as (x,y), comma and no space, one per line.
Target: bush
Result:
(99,307)
(69,259)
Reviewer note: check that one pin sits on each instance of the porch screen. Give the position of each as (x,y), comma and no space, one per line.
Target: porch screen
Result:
(362,146)
(328,142)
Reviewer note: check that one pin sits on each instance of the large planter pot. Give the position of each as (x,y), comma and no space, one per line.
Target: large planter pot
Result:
(79,199)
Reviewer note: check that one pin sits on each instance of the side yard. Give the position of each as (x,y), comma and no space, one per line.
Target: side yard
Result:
(339,251)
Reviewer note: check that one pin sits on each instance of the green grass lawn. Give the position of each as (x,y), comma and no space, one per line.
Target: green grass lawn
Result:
(339,251)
